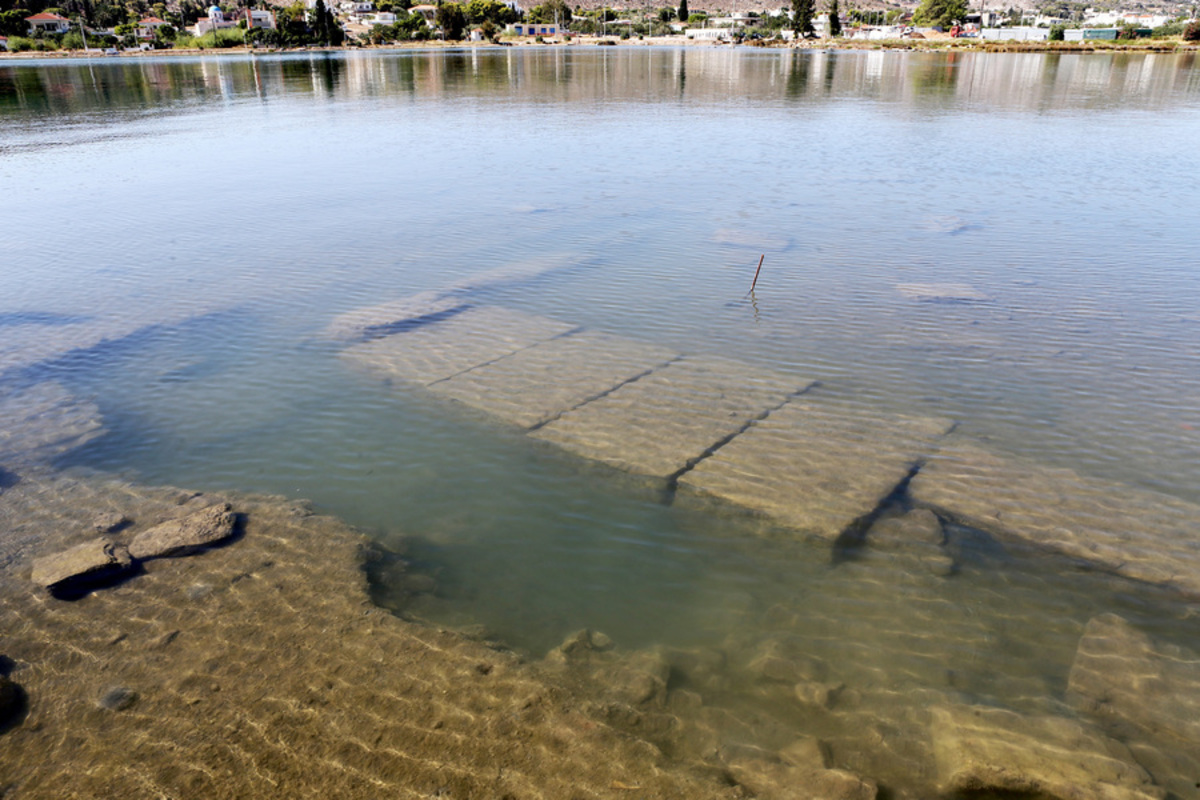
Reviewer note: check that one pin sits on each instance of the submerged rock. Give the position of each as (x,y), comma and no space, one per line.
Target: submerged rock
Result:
(185,535)
(117,698)
(775,780)
(45,421)
(10,699)
(941,293)
(784,660)
(638,680)
(991,750)
(88,563)
(110,522)
(1138,685)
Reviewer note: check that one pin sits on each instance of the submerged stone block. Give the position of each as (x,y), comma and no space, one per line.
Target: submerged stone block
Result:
(443,349)
(980,749)
(1140,686)
(1132,532)
(815,468)
(45,421)
(535,385)
(364,323)
(661,423)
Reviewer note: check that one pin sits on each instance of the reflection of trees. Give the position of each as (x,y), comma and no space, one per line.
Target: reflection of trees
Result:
(938,74)
(798,75)
(1022,81)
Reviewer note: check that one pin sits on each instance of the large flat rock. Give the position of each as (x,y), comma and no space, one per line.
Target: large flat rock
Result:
(662,423)
(445,348)
(40,422)
(993,751)
(816,468)
(1133,532)
(96,560)
(535,385)
(1123,676)
(186,534)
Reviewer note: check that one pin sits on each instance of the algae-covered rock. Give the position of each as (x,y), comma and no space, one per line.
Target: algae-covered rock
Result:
(90,562)
(185,535)
(991,750)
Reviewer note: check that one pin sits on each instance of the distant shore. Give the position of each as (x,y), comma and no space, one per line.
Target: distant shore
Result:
(941,44)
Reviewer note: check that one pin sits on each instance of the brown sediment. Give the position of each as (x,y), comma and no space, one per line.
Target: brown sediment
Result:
(261,669)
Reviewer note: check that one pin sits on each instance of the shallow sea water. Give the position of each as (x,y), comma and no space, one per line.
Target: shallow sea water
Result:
(259,198)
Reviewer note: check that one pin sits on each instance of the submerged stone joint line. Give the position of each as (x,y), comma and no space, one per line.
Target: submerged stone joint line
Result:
(501,358)
(673,479)
(605,393)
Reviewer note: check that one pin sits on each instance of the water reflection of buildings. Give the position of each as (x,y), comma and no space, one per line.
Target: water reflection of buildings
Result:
(1029,81)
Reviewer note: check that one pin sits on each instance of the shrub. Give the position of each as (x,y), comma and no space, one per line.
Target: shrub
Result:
(1057,33)
(1192,32)
(19,44)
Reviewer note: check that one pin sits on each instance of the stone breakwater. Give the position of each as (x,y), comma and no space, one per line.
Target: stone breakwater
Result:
(769,443)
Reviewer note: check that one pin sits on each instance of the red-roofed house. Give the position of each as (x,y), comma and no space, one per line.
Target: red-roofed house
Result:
(3,42)
(48,23)
(147,27)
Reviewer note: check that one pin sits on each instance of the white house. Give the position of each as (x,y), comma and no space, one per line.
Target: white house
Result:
(215,21)
(381,18)
(354,6)
(147,27)
(425,10)
(708,34)
(3,42)
(258,18)
(534,29)
(48,23)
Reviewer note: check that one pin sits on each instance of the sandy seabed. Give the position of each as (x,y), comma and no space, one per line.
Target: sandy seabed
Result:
(261,669)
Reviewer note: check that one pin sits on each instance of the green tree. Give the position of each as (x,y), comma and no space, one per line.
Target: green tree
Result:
(835,19)
(12,23)
(549,12)
(489,11)
(940,13)
(682,13)
(802,18)
(452,20)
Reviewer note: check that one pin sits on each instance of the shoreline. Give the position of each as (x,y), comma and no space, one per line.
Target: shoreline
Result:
(903,45)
